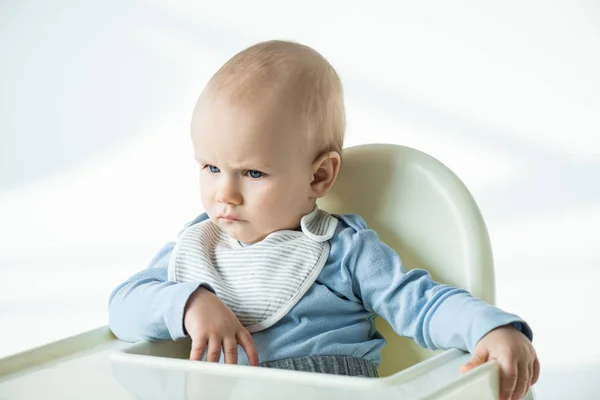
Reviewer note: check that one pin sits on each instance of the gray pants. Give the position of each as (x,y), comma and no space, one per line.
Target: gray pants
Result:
(338,365)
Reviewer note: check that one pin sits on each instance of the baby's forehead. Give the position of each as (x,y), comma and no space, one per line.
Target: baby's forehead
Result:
(263,132)
(263,114)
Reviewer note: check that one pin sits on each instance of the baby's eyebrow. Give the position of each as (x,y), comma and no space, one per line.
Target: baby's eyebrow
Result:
(201,160)
(259,167)
(256,166)
(251,167)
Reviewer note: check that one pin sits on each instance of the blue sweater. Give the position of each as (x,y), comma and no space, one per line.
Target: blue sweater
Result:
(362,278)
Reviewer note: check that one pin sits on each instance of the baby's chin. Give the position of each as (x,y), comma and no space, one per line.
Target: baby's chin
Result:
(242,230)
(246,239)
(237,232)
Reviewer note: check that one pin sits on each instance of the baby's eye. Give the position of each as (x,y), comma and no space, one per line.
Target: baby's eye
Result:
(213,169)
(255,174)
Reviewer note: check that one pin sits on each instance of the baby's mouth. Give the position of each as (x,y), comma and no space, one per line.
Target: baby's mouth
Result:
(230,217)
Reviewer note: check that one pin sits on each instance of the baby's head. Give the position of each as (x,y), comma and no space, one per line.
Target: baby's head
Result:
(268,131)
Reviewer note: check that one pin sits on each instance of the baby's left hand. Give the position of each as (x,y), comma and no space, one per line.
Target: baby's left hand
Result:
(519,365)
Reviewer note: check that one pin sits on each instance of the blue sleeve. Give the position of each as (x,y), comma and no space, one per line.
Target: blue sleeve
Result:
(149,307)
(436,316)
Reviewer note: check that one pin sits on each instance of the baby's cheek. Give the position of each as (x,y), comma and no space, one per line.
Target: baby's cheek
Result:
(273,205)
(207,204)
(273,215)
(268,197)
(271,211)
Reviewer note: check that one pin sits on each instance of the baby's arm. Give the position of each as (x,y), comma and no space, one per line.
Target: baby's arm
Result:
(441,316)
(434,315)
(149,307)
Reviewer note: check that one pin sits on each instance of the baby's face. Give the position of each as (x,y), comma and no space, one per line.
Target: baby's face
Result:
(255,172)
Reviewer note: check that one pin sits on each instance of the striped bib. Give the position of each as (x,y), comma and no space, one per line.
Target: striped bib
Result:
(259,283)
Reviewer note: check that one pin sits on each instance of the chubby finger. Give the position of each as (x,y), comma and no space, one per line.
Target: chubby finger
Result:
(536,372)
(230,350)
(198,347)
(522,383)
(508,381)
(214,349)
(245,340)
(476,361)
(531,374)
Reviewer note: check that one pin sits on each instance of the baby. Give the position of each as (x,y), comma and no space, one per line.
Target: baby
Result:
(267,270)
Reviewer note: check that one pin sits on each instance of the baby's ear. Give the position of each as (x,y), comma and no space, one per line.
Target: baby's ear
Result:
(325,170)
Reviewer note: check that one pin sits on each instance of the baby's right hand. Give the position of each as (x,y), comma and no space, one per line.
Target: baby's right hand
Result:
(213,326)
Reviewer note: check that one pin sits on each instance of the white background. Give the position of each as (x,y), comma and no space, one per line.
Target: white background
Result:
(96,168)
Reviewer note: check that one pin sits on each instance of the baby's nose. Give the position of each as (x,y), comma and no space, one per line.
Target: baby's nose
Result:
(229,193)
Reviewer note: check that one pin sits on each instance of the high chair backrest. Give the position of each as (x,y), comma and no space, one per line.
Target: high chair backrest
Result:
(422,210)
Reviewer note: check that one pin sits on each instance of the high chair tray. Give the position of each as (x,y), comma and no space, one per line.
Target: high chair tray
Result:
(95,365)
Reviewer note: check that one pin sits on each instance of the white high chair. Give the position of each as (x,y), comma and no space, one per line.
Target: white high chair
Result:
(422,210)
(416,204)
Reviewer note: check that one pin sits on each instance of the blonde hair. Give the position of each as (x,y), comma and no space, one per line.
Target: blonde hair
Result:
(298,72)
